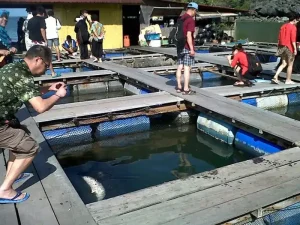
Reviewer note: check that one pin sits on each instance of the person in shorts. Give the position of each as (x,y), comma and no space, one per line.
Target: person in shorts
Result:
(287,49)
(52,27)
(17,87)
(186,58)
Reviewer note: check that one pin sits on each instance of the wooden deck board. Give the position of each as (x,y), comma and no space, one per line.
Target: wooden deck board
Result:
(162,68)
(134,201)
(274,124)
(216,60)
(189,209)
(66,203)
(79,109)
(66,61)
(8,213)
(230,90)
(75,75)
(136,56)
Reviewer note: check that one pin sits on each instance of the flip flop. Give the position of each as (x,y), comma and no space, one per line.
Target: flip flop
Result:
(274,81)
(23,176)
(178,90)
(14,200)
(189,92)
(239,84)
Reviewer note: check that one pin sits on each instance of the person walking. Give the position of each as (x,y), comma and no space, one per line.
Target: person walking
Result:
(24,28)
(287,49)
(97,33)
(186,54)
(37,32)
(82,34)
(53,25)
(17,87)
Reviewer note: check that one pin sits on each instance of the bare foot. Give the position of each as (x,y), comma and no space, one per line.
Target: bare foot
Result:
(11,193)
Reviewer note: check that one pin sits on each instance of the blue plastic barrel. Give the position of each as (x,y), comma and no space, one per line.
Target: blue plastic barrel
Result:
(210,75)
(85,68)
(287,216)
(61,70)
(144,91)
(68,136)
(202,51)
(123,126)
(250,101)
(293,98)
(254,145)
(112,55)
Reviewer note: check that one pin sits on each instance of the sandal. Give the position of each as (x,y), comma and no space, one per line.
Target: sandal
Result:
(188,92)
(274,81)
(178,90)
(14,200)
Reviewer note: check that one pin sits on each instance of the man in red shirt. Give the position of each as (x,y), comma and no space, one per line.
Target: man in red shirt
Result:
(186,57)
(287,48)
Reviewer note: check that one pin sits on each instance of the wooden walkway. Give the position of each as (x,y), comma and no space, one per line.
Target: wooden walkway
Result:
(53,200)
(212,197)
(71,76)
(66,62)
(98,107)
(144,56)
(216,60)
(258,88)
(242,115)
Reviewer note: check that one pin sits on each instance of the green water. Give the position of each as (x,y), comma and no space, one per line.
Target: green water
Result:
(292,112)
(124,164)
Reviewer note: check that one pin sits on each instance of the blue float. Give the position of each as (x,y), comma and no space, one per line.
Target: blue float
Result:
(210,75)
(202,51)
(216,128)
(254,145)
(287,216)
(112,55)
(294,98)
(60,70)
(69,136)
(250,101)
(85,69)
(123,126)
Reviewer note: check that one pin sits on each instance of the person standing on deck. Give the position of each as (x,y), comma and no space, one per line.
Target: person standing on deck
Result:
(53,25)
(17,87)
(186,56)
(82,34)
(37,32)
(24,28)
(287,49)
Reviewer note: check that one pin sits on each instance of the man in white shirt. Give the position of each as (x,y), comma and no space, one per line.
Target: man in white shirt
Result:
(53,25)
(24,28)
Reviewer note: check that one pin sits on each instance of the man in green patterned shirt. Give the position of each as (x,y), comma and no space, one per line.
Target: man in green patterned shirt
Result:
(17,87)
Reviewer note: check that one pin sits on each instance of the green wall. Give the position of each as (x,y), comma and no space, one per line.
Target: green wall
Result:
(257,31)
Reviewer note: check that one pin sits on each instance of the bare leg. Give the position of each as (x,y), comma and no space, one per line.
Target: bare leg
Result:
(57,52)
(178,76)
(289,71)
(280,68)
(51,69)
(10,162)
(187,72)
(17,167)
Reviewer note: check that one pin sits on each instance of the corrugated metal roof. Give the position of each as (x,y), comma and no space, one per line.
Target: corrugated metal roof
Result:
(74,1)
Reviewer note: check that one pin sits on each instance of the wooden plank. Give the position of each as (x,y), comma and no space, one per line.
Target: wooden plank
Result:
(66,61)
(80,109)
(75,75)
(230,90)
(274,124)
(217,60)
(136,56)
(163,68)
(66,203)
(155,195)
(8,213)
(37,209)
(190,208)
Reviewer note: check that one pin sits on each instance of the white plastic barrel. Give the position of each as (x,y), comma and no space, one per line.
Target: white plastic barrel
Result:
(272,102)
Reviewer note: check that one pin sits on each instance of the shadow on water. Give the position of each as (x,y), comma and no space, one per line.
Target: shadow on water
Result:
(132,162)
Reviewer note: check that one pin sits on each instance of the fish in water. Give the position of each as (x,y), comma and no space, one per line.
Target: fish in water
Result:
(96,187)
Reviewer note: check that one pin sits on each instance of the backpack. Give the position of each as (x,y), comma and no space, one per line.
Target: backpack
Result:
(177,36)
(254,66)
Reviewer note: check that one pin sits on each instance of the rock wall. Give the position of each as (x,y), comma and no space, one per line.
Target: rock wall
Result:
(275,8)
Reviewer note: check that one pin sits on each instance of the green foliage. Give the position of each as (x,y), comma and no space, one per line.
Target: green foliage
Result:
(239,4)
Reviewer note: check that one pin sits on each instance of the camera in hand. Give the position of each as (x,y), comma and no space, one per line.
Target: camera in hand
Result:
(58,86)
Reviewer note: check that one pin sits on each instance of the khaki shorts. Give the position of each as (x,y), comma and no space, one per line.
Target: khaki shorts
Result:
(18,142)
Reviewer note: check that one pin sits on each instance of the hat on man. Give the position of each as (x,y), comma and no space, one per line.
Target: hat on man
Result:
(193,5)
